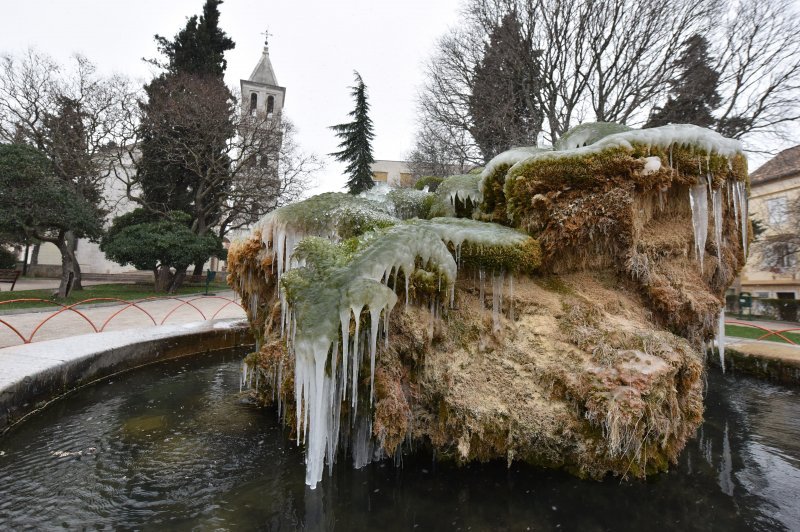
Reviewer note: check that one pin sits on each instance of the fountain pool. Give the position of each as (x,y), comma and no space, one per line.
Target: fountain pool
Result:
(174,446)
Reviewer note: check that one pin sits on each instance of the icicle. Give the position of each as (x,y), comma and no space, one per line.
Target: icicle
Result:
(344,318)
(716,202)
(497,299)
(698,198)
(480,296)
(356,357)
(721,338)
(511,297)
(741,191)
(374,322)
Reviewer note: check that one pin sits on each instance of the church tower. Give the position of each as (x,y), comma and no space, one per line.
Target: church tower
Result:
(261,92)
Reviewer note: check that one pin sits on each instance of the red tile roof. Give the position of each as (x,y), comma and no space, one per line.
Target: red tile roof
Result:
(785,164)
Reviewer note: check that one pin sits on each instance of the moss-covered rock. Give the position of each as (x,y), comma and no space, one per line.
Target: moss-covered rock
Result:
(566,335)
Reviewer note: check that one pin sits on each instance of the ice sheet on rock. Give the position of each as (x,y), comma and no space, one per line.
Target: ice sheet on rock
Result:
(508,157)
(457,231)
(332,215)
(587,134)
(664,137)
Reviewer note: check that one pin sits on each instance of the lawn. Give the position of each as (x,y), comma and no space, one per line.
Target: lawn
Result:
(121,291)
(741,331)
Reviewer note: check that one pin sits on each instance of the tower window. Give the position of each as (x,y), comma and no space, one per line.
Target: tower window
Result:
(270,104)
(253,103)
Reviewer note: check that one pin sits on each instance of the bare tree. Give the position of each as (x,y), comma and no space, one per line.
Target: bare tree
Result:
(258,166)
(759,58)
(70,113)
(611,60)
(440,151)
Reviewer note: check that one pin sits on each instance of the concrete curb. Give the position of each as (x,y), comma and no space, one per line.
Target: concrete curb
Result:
(33,375)
(763,360)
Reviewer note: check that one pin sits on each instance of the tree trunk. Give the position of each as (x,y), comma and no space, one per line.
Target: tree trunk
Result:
(177,280)
(163,278)
(198,268)
(76,267)
(67,268)
(35,254)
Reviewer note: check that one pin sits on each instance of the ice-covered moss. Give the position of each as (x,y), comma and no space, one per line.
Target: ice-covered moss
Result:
(588,133)
(331,215)
(411,203)
(488,246)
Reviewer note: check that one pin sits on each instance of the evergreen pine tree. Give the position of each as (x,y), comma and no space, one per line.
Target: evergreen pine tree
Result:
(693,94)
(195,55)
(503,104)
(356,145)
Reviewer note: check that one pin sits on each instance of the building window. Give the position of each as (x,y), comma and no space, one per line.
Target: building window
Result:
(253,103)
(777,211)
(381,177)
(270,104)
(406,179)
(780,256)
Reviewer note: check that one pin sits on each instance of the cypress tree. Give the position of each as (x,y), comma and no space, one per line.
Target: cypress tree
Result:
(194,68)
(693,93)
(356,145)
(503,104)
(195,53)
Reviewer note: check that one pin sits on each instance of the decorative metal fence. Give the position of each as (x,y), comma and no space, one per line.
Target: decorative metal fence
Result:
(767,332)
(98,325)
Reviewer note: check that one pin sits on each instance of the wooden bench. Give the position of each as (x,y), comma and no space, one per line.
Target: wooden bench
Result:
(9,276)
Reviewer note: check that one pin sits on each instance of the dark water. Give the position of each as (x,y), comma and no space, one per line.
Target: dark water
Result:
(171,448)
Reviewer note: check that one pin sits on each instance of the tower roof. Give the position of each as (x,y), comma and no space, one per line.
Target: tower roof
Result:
(263,73)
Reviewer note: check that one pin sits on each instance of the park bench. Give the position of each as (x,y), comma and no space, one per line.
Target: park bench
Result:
(9,276)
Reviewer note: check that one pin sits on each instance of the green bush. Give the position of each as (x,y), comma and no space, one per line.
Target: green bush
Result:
(432,182)
(782,309)
(8,260)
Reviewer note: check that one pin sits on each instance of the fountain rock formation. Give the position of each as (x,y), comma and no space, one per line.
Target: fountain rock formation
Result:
(552,308)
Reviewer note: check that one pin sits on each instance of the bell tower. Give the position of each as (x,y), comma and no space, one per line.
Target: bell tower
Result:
(261,93)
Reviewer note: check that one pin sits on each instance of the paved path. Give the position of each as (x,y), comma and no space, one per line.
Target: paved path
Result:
(71,323)
(37,283)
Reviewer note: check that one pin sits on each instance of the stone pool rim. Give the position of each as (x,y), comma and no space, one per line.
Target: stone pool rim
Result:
(34,375)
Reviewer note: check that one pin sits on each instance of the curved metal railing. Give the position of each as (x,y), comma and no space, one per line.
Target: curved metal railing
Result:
(126,304)
(767,332)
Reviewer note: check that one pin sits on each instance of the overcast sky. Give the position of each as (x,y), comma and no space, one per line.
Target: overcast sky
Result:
(314,47)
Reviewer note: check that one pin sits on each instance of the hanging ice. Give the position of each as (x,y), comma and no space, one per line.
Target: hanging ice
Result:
(721,339)
(698,198)
(740,191)
(716,203)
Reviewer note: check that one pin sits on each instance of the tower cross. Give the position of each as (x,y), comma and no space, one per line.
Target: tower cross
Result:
(266,35)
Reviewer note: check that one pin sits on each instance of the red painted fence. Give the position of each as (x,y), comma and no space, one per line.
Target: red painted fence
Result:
(100,327)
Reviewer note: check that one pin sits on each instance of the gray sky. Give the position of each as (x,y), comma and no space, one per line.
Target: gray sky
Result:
(314,47)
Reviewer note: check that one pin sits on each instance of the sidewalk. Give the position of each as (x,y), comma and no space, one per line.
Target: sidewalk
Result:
(39,283)
(174,311)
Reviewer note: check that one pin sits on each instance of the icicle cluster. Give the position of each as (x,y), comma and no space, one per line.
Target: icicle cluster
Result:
(325,290)
(461,188)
